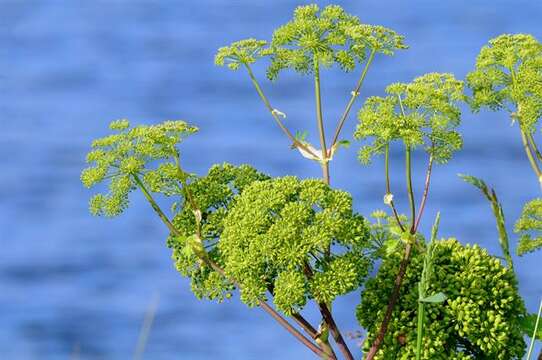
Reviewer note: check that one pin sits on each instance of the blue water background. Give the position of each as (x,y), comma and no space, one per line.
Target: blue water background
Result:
(73,284)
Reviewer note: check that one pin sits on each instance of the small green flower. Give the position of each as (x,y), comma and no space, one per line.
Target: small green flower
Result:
(241,52)
(508,75)
(126,154)
(529,226)
(424,113)
(329,36)
(277,236)
(479,320)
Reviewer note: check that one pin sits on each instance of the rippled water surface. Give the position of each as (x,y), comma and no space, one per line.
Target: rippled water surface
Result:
(73,284)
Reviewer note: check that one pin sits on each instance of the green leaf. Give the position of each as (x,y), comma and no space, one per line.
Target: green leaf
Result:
(479,183)
(435,298)
(344,143)
(528,323)
(498,213)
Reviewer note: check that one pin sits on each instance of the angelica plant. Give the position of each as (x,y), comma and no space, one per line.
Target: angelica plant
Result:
(287,244)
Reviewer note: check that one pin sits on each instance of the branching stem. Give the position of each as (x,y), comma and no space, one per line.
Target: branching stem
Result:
(391,304)
(388,186)
(354,95)
(408,161)
(529,152)
(320,121)
(425,193)
(274,114)
(330,322)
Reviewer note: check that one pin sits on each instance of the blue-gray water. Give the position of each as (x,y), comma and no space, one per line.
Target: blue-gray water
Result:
(74,284)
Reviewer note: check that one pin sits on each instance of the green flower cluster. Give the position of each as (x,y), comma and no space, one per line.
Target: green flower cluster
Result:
(212,196)
(299,239)
(479,319)
(508,75)
(529,226)
(241,52)
(328,36)
(424,113)
(123,156)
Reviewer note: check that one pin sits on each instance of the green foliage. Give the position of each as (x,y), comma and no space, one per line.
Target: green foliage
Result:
(385,234)
(421,113)
(479,320)
(124,155)
(213,195)
(277,237)
(529,227)
(498,213)
(508,75)
(330,36)
(528,324)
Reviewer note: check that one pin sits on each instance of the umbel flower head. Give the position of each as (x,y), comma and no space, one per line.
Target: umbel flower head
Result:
(213,196)
(278,235)
(508,76)
(529,226)
(479,319)
(123,156)
(328,36)
(424,113)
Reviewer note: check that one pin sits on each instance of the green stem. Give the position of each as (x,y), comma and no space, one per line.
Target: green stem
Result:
(320,120)
(394,297)
(419,333)
(533,145)
(408,165)
(425,192)
(329,322)
(274,113)
(388,186)
(155,206)
(355,94)
(533,338)
(529,153)
(503,234)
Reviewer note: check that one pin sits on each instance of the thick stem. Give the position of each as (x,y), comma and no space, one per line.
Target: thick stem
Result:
(286,325)
(408,163)
(209,262)
(425,193)
(388,186)
(354,95)
(391,304)
(325,172)
(330,322)
(337,336)
(320,121)
(274,114)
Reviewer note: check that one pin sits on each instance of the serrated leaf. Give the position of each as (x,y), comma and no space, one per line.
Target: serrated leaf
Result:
(435,298)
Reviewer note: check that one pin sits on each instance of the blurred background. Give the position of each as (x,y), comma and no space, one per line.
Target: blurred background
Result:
(76,286)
